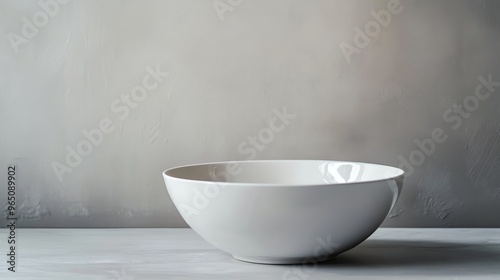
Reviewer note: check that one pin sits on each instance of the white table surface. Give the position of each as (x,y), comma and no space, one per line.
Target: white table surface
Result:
(136,254)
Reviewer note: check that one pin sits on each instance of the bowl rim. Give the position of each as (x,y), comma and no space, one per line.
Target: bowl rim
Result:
(400,173)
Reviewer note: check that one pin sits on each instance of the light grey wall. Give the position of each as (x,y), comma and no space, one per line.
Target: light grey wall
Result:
(230,64)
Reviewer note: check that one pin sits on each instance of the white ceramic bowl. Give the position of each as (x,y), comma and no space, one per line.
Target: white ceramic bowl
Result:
(284,211)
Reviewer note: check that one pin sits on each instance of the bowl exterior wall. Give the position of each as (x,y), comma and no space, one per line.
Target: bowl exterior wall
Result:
(284,222)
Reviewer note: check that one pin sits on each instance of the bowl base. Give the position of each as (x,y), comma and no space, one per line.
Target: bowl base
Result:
(272,260)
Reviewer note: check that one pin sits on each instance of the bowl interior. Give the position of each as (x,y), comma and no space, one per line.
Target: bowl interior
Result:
(286,172)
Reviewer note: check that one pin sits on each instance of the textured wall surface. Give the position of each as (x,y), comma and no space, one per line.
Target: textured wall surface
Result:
(98,97)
